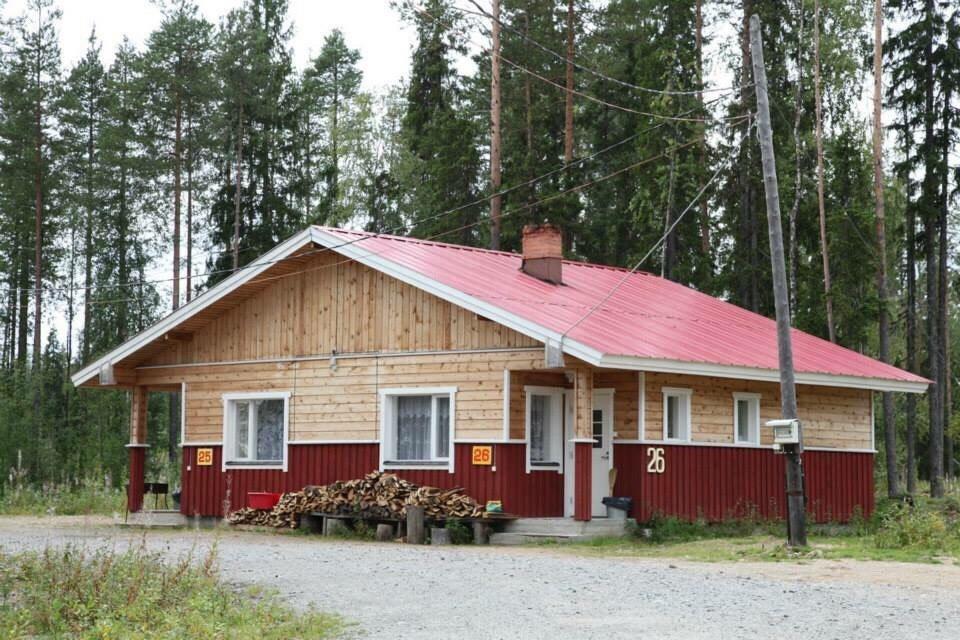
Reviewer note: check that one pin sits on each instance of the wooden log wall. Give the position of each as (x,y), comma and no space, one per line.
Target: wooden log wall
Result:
(833,417)
(342,402)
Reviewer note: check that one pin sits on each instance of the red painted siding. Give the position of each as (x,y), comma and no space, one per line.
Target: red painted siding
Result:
(138,463)
(718,483)
(715,483)
(207,489)
(583,481)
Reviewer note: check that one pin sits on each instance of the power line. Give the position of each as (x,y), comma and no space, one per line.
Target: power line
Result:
(576,92)
(668,92)
(661,240)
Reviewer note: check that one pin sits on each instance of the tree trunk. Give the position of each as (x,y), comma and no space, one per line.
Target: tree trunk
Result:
(190,152)
(495,176)
(911,328)
(889,425)
(943,289)
(747,285)
(568,103)
(931,218)
(798,191)
(236,192)
(701,179)
(88,247)
(38,230)
(824,250)
(670,237)
(177,160)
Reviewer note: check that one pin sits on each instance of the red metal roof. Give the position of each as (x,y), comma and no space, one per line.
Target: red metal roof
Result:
(647,317)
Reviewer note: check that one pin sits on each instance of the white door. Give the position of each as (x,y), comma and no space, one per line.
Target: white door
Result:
(602,450)
(602,420)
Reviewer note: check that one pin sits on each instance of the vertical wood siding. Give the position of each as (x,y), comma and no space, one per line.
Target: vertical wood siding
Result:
(718,483)
(206,490)
(583,482)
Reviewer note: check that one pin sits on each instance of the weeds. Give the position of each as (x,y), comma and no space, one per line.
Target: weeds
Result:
(86,497)
(73,593)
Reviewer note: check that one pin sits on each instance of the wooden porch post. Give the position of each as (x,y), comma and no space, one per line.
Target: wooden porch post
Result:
(583,445)
(138,447)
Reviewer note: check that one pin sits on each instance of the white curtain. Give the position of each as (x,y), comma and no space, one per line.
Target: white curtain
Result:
(539,428)
(413,427)
(443,427)
(242,430)
(269,429)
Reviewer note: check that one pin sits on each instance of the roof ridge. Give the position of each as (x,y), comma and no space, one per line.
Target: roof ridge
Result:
(463,247)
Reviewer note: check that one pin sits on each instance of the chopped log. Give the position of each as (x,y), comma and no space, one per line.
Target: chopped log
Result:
(376,496)
(439,536)
(384,532)
(415,527)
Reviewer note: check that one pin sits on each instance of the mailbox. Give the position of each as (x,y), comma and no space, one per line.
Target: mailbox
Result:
(785,432)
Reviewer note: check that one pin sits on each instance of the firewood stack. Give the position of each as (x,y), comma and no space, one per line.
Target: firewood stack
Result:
(376,496)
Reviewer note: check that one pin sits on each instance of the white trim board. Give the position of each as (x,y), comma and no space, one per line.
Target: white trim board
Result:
(730,445)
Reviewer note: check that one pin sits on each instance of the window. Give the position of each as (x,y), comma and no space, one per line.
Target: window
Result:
(255,429)
(746,418)
(676,414)
(544,428)
(417,427)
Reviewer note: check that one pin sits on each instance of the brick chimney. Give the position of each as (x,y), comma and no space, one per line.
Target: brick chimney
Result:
(543,252)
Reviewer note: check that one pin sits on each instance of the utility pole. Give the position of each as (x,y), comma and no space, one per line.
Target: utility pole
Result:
(496,202)
(568,103)
(796,520)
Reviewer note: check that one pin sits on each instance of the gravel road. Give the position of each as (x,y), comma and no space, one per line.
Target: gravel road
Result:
(398,591)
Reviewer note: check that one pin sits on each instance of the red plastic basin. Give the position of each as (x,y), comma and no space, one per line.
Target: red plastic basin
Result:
(262,499)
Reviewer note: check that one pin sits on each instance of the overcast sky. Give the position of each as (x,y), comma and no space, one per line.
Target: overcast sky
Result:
(372,26)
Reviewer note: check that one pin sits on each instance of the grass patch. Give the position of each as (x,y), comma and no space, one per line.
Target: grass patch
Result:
(72,593)
(923,530)
(83,498)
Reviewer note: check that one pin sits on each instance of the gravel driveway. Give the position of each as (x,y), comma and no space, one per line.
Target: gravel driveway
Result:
(399,591)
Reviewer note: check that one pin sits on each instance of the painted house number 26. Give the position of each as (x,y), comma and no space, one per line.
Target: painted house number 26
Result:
(657,463)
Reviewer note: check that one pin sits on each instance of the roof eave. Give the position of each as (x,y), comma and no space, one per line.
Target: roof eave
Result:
(283,250)
(763,375)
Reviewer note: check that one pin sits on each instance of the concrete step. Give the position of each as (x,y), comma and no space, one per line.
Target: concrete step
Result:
(567,527)
(159,519)
(505,538)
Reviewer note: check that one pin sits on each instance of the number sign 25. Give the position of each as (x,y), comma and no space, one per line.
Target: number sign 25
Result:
(657,463)
(204,457)
(482,455)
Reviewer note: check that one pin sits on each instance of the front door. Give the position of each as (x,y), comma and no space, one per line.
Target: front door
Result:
(602,448)
(602,421)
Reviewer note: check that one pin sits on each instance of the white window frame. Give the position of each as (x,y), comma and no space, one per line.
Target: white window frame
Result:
(228,459)
(754,400)
(556,395)
(388,432)
(684,395)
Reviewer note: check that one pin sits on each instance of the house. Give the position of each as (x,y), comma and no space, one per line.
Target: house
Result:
(517,377)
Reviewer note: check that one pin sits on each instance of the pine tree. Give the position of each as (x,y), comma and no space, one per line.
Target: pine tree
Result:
(330,84)
(441,139)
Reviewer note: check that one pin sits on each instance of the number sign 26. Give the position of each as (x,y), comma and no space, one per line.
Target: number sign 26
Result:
(657,463)
(482,455)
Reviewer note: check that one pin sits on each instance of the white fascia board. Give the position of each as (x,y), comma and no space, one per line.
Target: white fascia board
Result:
(227,286)
(752,373)
(372,259)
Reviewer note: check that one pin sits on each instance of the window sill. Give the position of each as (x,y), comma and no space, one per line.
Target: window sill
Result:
(401,465)
(544,466)
(256,464)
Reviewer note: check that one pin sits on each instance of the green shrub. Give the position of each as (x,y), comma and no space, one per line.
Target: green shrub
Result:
(71,593)
(910,527)
(460,531)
